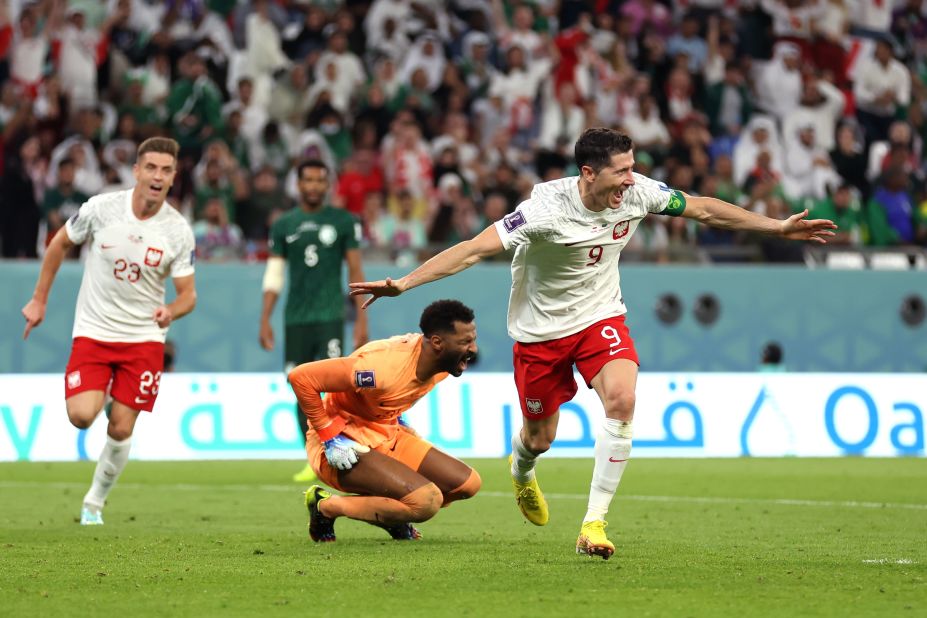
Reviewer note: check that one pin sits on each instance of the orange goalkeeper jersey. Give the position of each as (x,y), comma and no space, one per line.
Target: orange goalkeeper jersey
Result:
(365,392)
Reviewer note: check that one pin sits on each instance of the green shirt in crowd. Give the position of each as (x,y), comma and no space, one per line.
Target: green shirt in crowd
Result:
(314,245)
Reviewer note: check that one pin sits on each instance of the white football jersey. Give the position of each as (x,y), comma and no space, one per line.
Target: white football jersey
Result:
(565,268)
(127,262)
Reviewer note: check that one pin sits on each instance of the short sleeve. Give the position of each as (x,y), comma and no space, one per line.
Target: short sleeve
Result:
(182,266)
(530,221)
(653,196)
(277,241)
(81,225)
(351,232)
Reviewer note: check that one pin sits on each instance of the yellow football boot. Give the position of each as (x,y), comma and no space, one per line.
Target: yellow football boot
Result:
(592,540)
(530,500)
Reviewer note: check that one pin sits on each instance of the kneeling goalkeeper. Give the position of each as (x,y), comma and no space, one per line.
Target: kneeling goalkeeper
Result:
(357,441)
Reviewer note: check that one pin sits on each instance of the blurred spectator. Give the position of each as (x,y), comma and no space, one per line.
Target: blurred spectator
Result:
(849,158)
(830,35)
(808,171)
(475,67)
(644,126)
(407,161)
(265,200)
(361,176)
(194,105)
(495,206)
(253,116)
(427,59)
(217,240)
(373,210)
(870,18)
(217,175)
(331,126)
(843,208)
(521,33)
(909,27)
(687,41)
(29,44)
(263,47)
(728,103)
(20,192)
(882,89)
(308,37)
(647,14)
(793,21)
(403,233)
(779,83)
(890,211)
(80,50)
(562,122)
(62,200)
(348,75)
(821,106)
(146,116)
(88,178)
(759,136)
(291,101)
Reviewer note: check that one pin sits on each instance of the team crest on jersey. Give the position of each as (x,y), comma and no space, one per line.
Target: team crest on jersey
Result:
(513,221)
(327,235)
(153,256)
(620,230)
(74,379)
(534,405)
(365,378)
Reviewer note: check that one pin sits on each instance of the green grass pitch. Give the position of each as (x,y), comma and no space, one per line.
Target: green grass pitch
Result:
(739,537)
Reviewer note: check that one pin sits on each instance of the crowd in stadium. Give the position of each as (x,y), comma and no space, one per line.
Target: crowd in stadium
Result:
(436,118)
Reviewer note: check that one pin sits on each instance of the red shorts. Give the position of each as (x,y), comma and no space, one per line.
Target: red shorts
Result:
(544,370)
(133,368)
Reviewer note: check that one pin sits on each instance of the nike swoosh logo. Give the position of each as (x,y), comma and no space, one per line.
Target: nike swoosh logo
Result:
(293,238)
(107,246)
(613,460)
(613,352)
(140,400)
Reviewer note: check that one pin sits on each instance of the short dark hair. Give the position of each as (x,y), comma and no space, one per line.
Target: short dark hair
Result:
(772,353)
(596,146)
(164,145)
(439,316)
(311,163)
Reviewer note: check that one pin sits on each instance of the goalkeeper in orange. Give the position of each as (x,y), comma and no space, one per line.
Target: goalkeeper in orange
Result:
(357,441)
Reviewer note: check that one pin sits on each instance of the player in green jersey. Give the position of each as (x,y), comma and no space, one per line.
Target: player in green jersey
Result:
(309,243)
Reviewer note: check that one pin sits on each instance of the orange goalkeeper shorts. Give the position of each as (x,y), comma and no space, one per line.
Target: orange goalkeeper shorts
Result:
(401,445)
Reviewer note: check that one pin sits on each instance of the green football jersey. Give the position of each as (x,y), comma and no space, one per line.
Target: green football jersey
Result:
(314,245)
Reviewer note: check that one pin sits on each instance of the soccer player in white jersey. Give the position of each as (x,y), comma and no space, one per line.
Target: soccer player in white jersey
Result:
(136,241)
(566,306)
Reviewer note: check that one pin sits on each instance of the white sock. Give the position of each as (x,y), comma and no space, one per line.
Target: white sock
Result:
(109,466)
(612,451)
(523,460)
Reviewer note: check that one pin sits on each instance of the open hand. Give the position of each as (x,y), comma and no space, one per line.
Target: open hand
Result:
(387,287)
(797,227)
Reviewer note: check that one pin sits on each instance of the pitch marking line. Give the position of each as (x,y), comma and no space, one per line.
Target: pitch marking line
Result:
(889,561)
(492,494)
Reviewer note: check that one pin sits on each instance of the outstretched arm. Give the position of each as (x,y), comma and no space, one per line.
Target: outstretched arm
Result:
(34,311)
(721,214)
(461,256)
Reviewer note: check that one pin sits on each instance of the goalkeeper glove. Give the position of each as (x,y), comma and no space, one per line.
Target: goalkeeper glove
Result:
(341,452)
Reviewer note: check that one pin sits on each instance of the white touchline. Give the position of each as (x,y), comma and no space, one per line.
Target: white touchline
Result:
(889,561)
(498,494)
